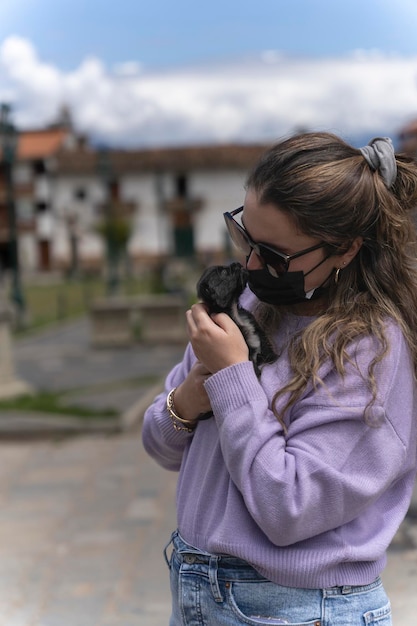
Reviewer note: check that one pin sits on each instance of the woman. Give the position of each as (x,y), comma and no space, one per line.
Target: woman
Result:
(289,496)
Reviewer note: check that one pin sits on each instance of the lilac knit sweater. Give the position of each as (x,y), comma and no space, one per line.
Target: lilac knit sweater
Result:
(315,507)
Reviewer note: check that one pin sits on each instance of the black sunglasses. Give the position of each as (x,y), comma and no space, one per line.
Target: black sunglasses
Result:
(275,262)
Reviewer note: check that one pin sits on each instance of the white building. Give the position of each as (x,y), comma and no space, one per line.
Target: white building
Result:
(174,199)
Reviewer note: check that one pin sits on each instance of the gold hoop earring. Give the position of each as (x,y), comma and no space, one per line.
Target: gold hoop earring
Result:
(336,276)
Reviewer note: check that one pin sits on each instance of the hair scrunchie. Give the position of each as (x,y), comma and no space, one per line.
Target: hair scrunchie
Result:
(380,155)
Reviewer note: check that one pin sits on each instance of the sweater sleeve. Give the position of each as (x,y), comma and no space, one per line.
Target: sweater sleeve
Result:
(333,462)
(161,441)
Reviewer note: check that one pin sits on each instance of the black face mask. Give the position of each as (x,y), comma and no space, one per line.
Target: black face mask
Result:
(286,289)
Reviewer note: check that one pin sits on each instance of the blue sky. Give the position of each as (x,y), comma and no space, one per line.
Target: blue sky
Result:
(163,33)
(149,72)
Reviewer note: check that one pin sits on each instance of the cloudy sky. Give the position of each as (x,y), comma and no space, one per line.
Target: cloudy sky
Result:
(159,72)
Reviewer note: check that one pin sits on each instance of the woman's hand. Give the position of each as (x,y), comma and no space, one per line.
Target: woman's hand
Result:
(190,397)
(217,341)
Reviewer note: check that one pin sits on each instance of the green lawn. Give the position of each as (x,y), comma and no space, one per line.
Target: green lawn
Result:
(49,402)
(68,299)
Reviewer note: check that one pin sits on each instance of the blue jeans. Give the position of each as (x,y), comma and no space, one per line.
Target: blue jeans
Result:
(219,590)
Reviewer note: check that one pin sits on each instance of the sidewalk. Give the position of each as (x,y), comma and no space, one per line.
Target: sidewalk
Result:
(83,520)
(82,527)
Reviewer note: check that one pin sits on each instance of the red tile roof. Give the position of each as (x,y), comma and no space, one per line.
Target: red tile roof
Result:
(38,144)
(174,159)
(408,138)
(411,127)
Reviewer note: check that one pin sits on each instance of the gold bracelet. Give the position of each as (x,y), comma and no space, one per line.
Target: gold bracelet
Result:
(178,422)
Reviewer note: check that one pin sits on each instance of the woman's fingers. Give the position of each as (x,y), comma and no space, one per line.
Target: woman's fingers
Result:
(217,341)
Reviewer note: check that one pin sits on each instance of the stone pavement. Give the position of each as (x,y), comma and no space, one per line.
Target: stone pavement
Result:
(83,523)
(82,527)
(83,520)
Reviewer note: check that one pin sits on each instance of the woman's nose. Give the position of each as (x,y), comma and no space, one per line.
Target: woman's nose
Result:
(253,262)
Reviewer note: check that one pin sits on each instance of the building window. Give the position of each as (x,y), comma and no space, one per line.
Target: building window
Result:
(39,167)
(41,207)
(181,186)
(80,194)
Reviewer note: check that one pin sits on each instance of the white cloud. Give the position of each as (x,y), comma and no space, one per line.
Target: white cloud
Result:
(250,100)
(34,87)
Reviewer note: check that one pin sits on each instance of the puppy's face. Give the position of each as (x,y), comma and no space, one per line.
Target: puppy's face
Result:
(221,285)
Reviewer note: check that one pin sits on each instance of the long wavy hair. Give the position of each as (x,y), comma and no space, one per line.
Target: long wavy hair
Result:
(330,191)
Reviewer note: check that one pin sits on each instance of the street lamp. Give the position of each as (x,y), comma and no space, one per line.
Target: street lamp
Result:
(8,143)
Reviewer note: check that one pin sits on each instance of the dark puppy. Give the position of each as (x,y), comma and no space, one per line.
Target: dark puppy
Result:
(219,288)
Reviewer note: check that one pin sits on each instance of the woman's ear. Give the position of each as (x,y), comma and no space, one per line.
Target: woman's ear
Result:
(350,254)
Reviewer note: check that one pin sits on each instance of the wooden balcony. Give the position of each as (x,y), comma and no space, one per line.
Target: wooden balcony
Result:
(181,205)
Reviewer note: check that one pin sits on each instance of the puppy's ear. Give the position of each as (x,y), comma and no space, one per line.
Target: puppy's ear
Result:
(204,281)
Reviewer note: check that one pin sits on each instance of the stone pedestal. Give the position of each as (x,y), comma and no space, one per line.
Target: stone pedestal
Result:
(119,322)
(10,385)
(162,318)
(111,323)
